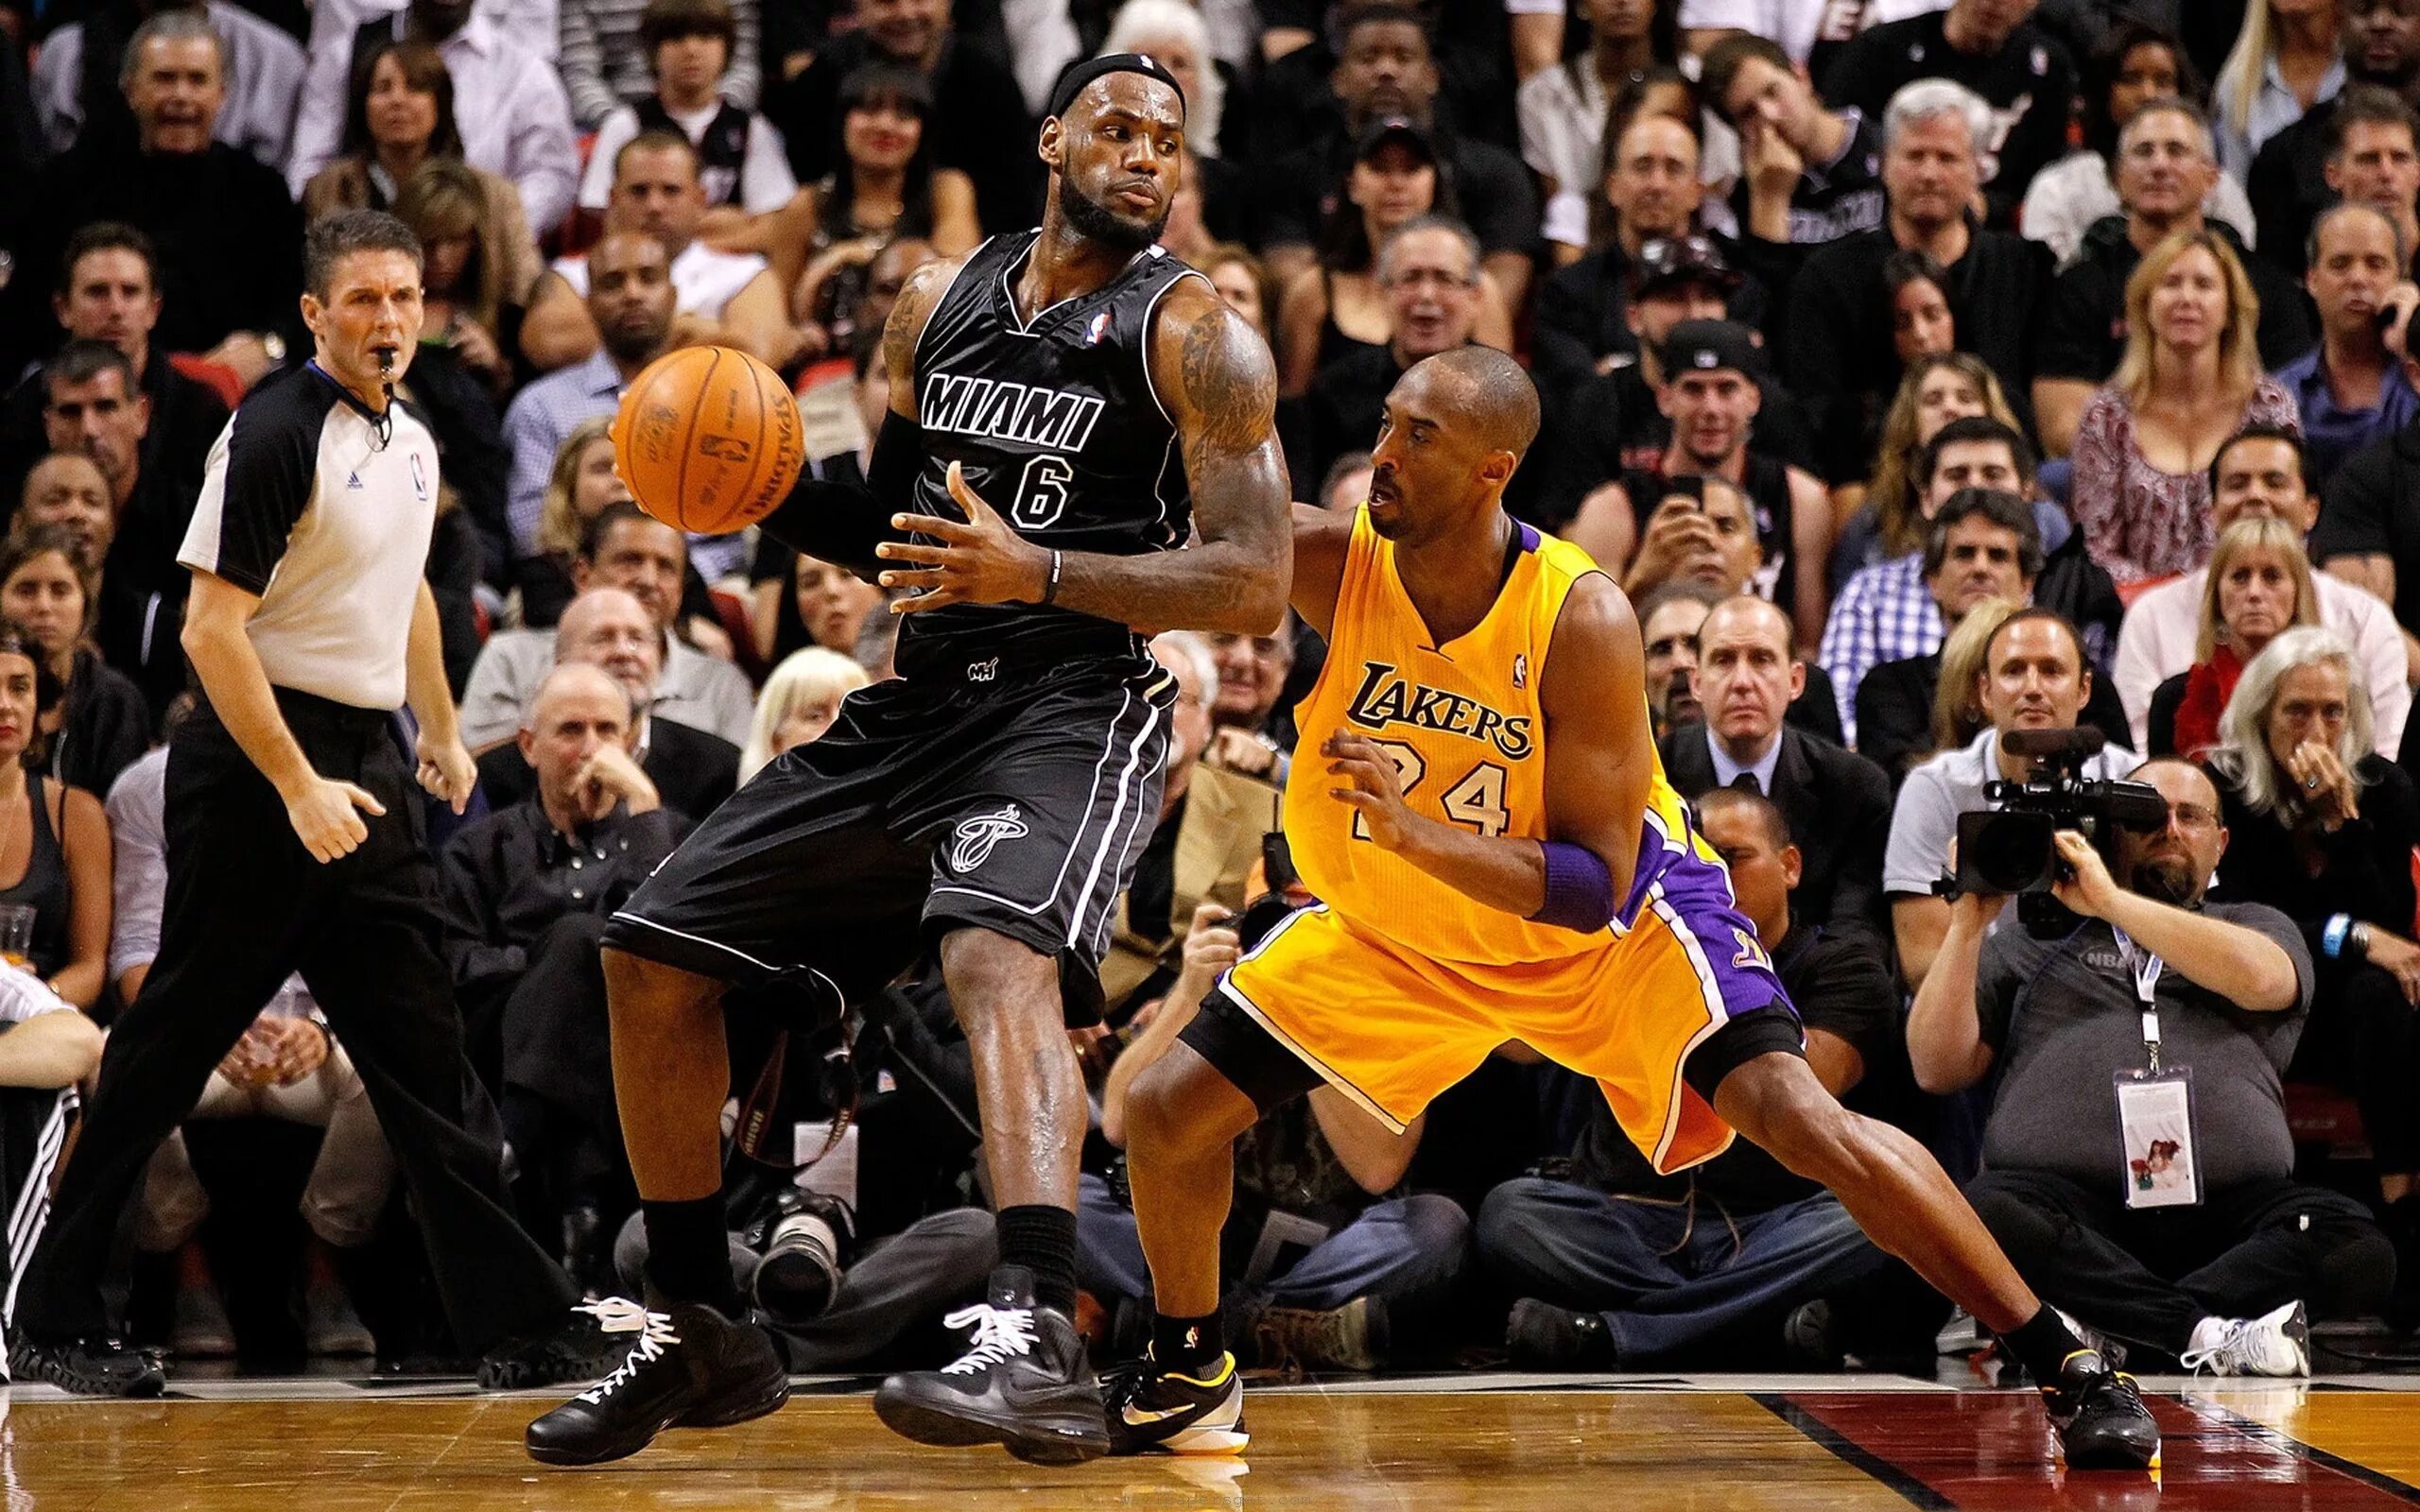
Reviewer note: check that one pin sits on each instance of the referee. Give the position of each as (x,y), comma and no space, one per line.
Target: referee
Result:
(294,838)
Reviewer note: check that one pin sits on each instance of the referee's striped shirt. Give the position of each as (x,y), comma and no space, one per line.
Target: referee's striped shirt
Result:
(324,509)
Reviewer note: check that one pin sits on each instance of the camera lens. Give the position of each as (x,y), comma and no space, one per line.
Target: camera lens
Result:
(2005,851)
(801,1270)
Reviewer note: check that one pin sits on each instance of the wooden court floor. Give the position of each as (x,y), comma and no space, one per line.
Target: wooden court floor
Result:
(1521,1444)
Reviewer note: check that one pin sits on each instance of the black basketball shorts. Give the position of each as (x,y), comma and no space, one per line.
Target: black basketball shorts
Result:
(1017,807)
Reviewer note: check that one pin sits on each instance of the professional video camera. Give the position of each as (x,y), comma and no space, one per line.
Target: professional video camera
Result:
(2009,849)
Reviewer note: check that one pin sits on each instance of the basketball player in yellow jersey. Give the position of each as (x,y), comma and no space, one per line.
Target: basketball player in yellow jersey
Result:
(1499,857)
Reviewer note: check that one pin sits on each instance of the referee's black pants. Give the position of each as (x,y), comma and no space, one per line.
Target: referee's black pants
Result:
(245,906)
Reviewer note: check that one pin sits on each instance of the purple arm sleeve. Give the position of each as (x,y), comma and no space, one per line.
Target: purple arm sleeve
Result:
(1580,888)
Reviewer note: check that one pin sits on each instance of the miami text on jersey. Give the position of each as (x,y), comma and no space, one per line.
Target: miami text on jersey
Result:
(1050,418)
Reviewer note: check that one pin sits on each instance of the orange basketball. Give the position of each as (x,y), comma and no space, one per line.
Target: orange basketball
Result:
(708,439)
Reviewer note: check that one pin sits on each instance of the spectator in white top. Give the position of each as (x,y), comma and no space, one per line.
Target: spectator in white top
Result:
(75,94)
(2034,677)
(688,50)
(723,299)
(1806,29)
(508,103)
(2257,473)
(1561,109)
(2135,64)
(613,53)
(2284,62)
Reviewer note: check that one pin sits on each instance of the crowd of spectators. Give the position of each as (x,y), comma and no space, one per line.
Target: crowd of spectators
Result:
(1938,376)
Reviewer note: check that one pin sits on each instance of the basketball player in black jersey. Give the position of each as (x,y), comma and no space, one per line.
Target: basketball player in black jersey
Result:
(1069,406)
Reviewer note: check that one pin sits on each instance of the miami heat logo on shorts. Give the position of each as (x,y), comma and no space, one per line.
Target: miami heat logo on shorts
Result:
(971,843)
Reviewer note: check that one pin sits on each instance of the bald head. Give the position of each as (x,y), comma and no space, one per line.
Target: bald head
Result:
(573,681)
(1496,400)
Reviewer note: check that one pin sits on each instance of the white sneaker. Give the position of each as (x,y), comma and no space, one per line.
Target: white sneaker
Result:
(2274,1343)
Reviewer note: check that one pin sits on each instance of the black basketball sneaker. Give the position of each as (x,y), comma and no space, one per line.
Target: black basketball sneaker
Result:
(2100,1418)
(690,1367)
(1023,1382)
(94,1366)
(1157,1411)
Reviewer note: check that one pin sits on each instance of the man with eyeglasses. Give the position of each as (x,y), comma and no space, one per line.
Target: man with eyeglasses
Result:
(2138,1168)
(2165,168)
(1429,270)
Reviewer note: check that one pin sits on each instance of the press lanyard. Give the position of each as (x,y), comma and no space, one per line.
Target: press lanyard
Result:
(2145,968)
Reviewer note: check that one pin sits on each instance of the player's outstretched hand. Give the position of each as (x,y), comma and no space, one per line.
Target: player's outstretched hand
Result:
(446,771)
(981,562)
(323,818)
(1373,785)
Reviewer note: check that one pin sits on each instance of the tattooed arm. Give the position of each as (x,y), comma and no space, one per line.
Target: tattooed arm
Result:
(1219,384)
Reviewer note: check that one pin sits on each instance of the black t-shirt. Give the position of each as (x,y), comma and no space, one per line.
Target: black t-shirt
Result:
(1836,353)
(1610,425)
(1836,200)
(2084,331)
(1499,202)
(1766,483)
(1839,985)
(1151,897)
(2373,506)
(2028,82)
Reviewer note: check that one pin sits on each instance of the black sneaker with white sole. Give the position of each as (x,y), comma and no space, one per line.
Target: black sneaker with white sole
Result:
(2100,1418)
(688,1367)
(92,1366)
(1023,1382)
(1156,1411)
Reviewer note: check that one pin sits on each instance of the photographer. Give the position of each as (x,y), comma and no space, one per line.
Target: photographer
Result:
(2138,1165)
(2034,677)
(2323,830)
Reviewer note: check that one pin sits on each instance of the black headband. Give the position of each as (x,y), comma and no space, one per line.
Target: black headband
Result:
(1072,82)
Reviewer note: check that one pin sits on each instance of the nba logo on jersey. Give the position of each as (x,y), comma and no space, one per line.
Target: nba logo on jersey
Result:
(971,843)
(1520,671)
(419,480)
(1098,329)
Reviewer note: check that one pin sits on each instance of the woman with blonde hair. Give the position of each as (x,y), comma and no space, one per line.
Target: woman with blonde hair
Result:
(2190,378)
(1957,715)
(2260,587)
(800,699)
(1885,518)
(473,293)
(2284,62)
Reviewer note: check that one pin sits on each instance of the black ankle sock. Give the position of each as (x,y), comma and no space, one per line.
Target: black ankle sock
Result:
(688,1253)
(2042,1345)
(1043,1240)
(1188,1346)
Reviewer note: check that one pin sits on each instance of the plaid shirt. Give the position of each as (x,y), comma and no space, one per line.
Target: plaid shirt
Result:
(1884,614)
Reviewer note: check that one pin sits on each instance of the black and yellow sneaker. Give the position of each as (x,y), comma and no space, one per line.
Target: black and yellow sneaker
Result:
(1153,1411)
(2100,1418)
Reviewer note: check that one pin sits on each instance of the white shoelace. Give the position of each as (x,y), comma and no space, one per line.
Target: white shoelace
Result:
(619,1315)
(1000,1333)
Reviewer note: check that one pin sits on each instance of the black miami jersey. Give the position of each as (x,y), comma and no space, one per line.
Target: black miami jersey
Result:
(1058,427)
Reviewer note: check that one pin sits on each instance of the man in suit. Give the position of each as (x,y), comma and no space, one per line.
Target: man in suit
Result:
(1207,841)
(606,627)
(1837,804)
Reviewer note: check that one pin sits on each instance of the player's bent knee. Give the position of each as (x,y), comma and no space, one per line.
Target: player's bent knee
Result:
(1181,1107)
(637,988)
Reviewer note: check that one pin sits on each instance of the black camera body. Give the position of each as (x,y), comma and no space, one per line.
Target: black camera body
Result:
(2009,848)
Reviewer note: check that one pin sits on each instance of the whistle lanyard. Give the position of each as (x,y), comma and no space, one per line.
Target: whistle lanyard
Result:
(2145,968)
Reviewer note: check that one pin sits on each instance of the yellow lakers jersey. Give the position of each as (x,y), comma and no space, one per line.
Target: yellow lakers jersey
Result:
(1465,727)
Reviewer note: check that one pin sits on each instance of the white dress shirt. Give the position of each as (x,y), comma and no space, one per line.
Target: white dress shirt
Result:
(2274,107)
(1794,23)
(2156,642)
(264,75)
(509,105)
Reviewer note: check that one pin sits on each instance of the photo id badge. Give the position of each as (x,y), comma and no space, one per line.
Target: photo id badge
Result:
(2155,1126)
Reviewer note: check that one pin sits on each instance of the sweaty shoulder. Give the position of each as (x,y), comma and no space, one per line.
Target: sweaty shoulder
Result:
(1596,649)
(1211,369)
